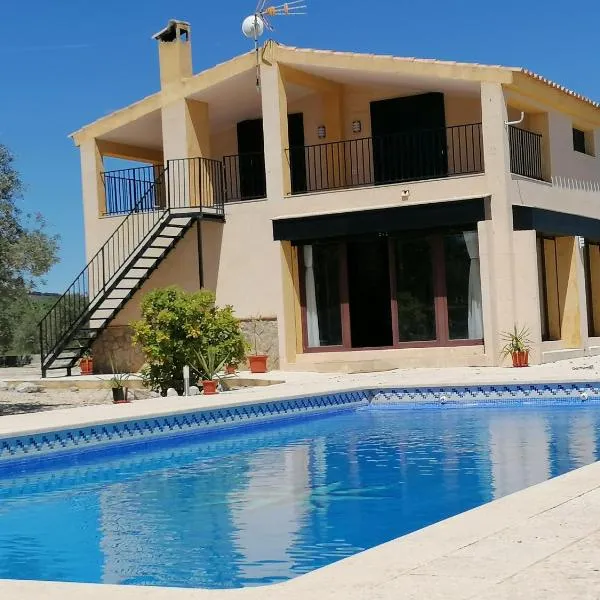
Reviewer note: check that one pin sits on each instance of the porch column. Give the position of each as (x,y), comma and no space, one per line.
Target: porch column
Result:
(94,197)
(289,317)
(186,135)
(527,282)
(503,316)
(275,129)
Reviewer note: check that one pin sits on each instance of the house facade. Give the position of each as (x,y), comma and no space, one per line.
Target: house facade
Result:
(373,211)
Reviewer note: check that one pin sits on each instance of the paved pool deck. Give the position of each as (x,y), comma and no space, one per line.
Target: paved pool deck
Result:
(541,542)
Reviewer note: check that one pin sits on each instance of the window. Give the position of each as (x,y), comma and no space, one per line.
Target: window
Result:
(392,291)
(583,141)
(323,323)
(463,286)
(415,297)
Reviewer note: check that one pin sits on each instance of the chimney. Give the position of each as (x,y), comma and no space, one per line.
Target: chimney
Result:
(174,52)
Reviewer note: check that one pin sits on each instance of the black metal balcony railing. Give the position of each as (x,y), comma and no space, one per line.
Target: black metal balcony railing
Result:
(188,182)
(244,176)
(409,156)
(525,152)
(129,188)
(195,183)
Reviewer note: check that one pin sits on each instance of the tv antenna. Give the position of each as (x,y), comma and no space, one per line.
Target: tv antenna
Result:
(254,25)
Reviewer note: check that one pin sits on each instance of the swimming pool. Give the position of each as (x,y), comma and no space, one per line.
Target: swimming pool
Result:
(261,505)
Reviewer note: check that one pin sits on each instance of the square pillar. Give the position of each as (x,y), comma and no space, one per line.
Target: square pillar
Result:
(275,130)
(289,314)
(94,196)
(186,141)
(527,278)
(497,171)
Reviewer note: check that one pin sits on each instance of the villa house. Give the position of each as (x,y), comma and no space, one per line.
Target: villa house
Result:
(375,211)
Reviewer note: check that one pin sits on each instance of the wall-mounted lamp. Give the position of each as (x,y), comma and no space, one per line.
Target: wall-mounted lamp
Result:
(321,132)
(356,126)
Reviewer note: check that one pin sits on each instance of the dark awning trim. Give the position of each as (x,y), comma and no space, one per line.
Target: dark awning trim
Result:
(383,220)
(551,222)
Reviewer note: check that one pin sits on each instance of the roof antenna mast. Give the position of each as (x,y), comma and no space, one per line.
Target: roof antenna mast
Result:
(254,25)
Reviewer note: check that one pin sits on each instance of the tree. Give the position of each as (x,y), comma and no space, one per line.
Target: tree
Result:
(27,252)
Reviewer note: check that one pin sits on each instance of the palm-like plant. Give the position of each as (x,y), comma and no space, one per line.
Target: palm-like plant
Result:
(207,365)
(516,340)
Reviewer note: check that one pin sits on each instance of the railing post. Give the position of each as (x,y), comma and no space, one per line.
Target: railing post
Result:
(41,336)
(103,270)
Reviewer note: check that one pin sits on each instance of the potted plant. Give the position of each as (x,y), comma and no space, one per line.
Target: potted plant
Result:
(117,384)
(231,368)
(517,346)
(208,367)
(256,361)
(86,363)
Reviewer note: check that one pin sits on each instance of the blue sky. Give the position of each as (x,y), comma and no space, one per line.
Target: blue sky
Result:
(66,63)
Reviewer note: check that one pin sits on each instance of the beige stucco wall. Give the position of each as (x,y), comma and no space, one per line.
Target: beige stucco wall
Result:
(538,194)
(560,159)
(566,162)
(381,196)
(241,261)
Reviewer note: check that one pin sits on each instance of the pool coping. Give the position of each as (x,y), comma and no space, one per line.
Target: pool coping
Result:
(54,420)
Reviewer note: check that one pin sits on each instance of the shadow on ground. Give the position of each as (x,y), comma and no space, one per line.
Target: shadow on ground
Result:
(23,407)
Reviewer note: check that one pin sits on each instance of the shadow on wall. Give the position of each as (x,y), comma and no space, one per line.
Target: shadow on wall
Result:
(212,239)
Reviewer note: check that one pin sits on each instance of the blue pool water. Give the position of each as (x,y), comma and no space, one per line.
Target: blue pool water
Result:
(265,505)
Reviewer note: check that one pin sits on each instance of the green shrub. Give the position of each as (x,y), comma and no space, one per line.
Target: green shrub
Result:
(176,326)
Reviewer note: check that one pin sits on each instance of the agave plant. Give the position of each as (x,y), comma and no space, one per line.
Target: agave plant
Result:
(208,366)
(516,340)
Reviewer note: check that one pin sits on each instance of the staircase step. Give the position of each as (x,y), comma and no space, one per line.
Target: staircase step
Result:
(160,243)
(153,252)
(55,367)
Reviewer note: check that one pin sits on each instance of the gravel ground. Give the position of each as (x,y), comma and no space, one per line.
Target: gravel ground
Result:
(12,403)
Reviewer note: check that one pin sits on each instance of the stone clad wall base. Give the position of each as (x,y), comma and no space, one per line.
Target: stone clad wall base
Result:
(116,344)
(267,336)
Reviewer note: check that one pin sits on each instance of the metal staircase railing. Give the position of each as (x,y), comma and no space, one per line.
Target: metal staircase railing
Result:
(69,312)
(195,184)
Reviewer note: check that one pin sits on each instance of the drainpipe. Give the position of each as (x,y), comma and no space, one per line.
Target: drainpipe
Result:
(507,123)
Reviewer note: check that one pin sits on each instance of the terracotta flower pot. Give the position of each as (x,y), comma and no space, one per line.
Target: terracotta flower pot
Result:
(230,369)
(209,387)
(520,359)
(86,366)
(258,363)
(119,395)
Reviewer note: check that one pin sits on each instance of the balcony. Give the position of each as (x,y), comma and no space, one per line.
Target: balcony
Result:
(188,182)
(194,183)
(525,153)
(411,156)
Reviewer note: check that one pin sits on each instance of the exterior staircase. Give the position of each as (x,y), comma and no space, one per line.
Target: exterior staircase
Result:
(162,209)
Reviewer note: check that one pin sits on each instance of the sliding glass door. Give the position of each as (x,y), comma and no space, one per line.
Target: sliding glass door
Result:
(400,290)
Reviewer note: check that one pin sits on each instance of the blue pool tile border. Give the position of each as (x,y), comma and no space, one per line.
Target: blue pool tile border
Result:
(65,441)
(518,393)
(81,439)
